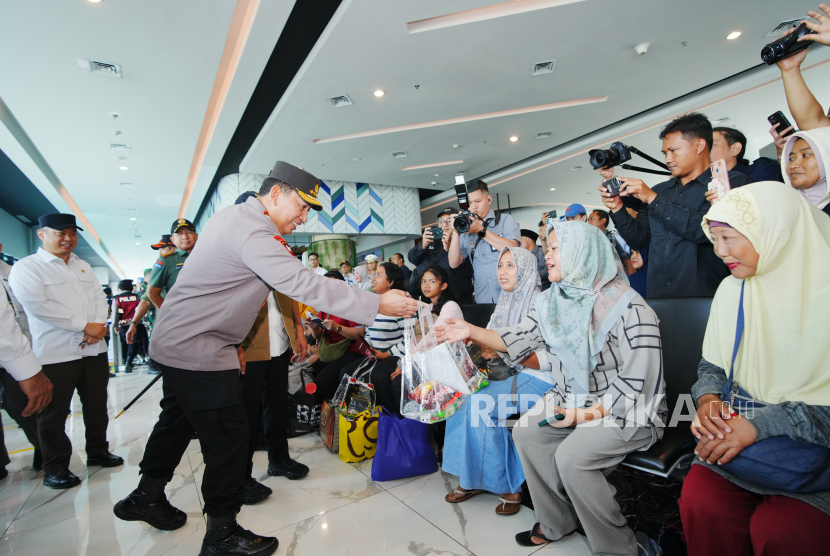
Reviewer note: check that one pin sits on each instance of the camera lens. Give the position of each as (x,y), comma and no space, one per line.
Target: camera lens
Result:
(462,224)
(768,53)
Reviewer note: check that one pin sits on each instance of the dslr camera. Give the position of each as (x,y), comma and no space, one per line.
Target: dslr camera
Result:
(786,46)
(464,219)
(615,155)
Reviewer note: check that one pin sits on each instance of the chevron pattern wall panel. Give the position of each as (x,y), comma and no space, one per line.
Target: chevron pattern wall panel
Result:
(348,207)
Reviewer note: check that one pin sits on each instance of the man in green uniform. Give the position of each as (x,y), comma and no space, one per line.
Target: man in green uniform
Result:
(165,270)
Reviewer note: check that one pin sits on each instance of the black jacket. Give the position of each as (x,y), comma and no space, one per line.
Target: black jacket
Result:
(682,261)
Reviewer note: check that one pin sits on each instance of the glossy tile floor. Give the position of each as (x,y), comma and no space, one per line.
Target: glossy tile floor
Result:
(336,510)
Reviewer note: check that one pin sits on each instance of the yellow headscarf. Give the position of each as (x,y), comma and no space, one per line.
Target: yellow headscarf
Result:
(785,353)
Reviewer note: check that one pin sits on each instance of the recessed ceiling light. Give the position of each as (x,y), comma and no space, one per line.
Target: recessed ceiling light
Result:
(94,1)
(436,175)
(132,218)
(552,189)
(379,93)
(733,35)
(137,243)
(514,139)
(123,168)
(122,158)
(356,159)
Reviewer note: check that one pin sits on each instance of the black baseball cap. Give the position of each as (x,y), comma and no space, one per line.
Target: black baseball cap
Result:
(244,197)
(448,211)
(306,185)
(58,221)
(182,223)
(163,242)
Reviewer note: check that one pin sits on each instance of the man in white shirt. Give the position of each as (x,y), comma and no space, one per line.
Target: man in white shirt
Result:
(67,312)
(14,400)
(17,359)
(314,264)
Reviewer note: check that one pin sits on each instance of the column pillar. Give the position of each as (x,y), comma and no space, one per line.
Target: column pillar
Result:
(332,249)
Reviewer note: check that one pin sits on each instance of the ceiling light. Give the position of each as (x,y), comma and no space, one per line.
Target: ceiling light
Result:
(123,168)
(432,165)
(544,135)
(552,189)
(379,93)
(137,243)
(24,219)
(94,1)
(514,139)
(132,218)
(733,35)
(436,175)
(356,159)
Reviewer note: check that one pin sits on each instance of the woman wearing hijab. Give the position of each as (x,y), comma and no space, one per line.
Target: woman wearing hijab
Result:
(361,278)
(601,342)
(777,247)
(480,450)
(806,157)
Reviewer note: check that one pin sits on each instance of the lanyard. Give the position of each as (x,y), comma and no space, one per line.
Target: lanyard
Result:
(9,297)
(739,332)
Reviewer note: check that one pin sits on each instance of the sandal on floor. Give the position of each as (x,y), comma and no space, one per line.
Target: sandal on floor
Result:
(508,507)
(466,495)
(525,538)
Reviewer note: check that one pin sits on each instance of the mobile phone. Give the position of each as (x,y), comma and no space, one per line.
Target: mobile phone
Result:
(437,232)
(782,121)
(613,186)
(720,178)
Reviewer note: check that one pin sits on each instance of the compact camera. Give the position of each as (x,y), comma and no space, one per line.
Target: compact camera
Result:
(612,156)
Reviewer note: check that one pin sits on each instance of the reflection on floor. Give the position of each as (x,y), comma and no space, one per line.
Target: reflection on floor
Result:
(337,509)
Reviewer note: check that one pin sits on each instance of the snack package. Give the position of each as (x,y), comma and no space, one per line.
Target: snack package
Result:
(355,394)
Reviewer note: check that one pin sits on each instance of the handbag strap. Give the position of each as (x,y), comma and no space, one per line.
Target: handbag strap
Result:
(739,331)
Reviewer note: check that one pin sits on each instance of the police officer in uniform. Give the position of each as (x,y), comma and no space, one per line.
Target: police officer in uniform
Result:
(204,319)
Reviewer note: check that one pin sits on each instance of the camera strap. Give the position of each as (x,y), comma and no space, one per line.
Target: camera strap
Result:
(486,226)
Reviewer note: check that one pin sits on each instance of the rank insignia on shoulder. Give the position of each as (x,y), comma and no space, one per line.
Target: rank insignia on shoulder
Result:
(284,244)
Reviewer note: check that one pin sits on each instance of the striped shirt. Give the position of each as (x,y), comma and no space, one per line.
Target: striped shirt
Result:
(386,334)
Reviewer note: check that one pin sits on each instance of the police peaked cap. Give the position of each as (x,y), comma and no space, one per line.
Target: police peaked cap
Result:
(306,185)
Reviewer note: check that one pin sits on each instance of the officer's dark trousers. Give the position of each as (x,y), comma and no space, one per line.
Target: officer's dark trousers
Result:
(14,402)
(269,380)
(128,351)
(209,402)
(89,375)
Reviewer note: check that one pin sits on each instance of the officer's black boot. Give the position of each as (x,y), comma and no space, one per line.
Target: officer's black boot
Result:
(149,504)
(225,537)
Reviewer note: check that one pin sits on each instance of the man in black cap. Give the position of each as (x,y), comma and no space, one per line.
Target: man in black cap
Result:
(528,241)
(67,312)
(123,312)
(205,318)
(435,252)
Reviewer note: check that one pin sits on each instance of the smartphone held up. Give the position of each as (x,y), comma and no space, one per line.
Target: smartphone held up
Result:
(720,179)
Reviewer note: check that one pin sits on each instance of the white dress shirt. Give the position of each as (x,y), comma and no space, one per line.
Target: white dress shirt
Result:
(320,270)
(276,328)
(19,313)
(60,300)
(16,354)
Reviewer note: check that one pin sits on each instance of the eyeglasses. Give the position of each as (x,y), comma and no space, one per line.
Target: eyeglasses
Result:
(444,222)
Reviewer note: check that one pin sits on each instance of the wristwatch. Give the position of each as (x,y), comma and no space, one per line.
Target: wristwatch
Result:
(483,231)
(339,328)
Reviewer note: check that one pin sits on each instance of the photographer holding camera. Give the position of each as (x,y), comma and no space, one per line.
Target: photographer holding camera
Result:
(683,262)
(488,234)
(432,251)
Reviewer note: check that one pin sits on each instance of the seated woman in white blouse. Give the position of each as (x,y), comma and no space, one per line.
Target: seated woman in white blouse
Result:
(602,344)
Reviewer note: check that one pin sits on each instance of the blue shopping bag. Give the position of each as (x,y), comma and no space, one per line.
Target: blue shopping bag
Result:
(403,450)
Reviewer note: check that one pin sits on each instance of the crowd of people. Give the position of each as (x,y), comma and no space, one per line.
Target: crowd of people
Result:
(572,349)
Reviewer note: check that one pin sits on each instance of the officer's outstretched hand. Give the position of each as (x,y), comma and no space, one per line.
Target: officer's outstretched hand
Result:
(395,303)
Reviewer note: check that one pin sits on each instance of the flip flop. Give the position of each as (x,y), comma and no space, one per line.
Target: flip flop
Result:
(525,538)
(508,507)
(466,495)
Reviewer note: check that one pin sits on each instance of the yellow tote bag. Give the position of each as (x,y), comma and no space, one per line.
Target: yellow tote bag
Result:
(358,438)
